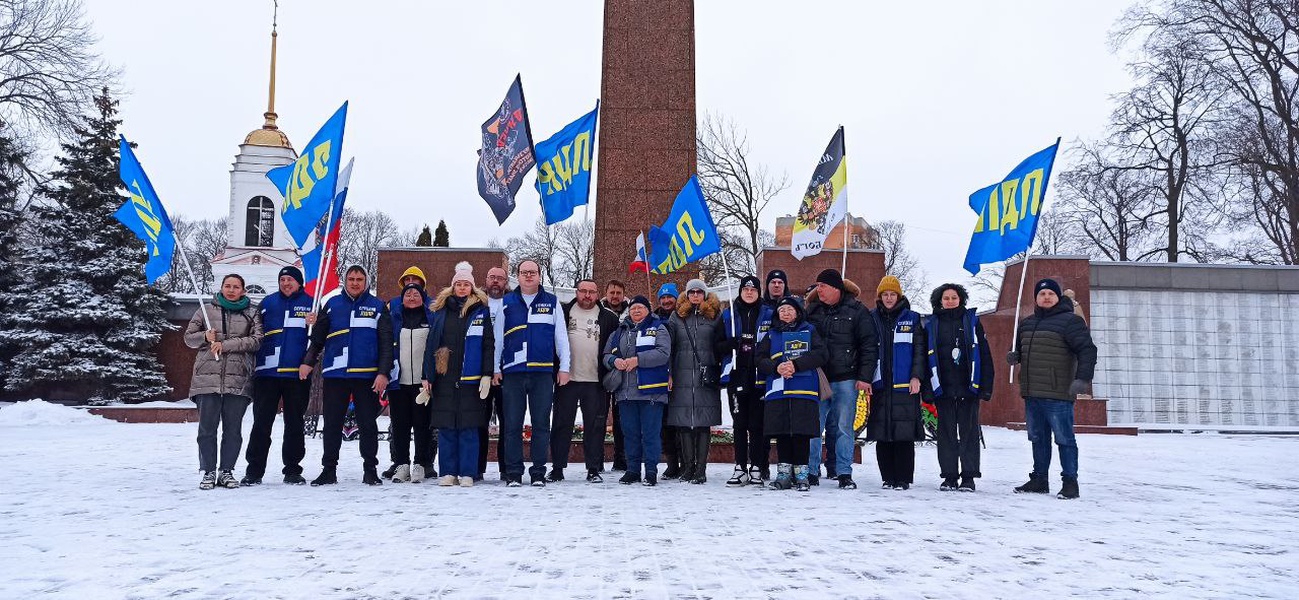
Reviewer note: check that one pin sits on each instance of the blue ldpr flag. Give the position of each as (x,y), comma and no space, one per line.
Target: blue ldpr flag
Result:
(1009,210)
(308,183)
(688,235)
(564,173)
(144,215)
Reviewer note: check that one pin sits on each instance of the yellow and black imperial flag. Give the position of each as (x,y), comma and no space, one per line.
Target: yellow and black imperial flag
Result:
(824,204)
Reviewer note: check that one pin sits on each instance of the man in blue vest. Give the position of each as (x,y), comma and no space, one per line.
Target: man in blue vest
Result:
(352,338)
(533,338)
(275,379)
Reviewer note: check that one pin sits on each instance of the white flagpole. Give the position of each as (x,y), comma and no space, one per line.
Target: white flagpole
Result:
(325,254)
(1019,296)
(180,247)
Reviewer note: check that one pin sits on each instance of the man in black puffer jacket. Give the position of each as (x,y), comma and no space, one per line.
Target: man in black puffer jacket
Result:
(849,330)
(1058,357)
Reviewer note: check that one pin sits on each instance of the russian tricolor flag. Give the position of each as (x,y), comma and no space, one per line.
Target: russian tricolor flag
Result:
(641,264)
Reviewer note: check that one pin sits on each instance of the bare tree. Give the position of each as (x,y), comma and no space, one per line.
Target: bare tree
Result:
(1108,206)
(363,233)
(540,245)
(574,251)
(737,189)
(1162,127)
(49,71)
(203,239)
(891,237)
(1249,48)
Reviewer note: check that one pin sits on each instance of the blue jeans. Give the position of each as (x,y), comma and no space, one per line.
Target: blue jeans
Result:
(1045,418)
(837,414)
(642,428)
(458,451)
(530,392)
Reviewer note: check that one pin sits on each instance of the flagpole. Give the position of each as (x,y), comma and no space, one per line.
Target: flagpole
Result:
(736,332)
(843,270)
(1019,298)
(649,287)
(324,255)
(180,246)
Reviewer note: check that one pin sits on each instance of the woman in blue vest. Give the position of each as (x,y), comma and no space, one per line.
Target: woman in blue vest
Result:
(458,374)
(960,376)
(895,425)
(789,358)
(637,358)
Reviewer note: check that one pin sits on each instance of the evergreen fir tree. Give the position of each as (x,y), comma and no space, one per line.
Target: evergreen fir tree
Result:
(425,237)
(442,237)
(89,323)
(12,157)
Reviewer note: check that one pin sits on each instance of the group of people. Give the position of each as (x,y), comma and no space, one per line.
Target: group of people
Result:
(794,368)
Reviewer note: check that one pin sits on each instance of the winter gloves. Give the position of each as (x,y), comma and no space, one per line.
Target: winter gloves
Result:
(422,398)
(484,388)
(1077,387)
(1012,358)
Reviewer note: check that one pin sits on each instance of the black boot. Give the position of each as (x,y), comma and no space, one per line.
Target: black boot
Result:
(1069,490)
(371,478)
(1035,485)
(673,469)
(327,477)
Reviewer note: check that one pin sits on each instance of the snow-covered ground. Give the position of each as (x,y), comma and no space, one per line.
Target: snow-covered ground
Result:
(91,508)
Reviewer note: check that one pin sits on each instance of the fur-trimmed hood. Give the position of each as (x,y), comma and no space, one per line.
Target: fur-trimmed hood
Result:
(850,290)
(709,308)
(478,296)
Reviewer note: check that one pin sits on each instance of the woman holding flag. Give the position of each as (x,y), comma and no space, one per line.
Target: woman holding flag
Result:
(223,373)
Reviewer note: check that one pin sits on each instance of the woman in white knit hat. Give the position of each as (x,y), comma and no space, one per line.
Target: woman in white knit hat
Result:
(458,373)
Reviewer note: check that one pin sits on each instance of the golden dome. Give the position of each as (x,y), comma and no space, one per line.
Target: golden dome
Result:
(268,135)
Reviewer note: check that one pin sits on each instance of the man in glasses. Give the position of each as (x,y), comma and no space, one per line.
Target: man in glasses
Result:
(534,337)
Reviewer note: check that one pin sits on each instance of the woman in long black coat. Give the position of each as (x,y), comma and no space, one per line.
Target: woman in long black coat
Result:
(789,358)
(459,380)
(895,424)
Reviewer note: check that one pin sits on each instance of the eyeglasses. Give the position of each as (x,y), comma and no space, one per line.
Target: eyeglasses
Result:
(529,273)
(695,292)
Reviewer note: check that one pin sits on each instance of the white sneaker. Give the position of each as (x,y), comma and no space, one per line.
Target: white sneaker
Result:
(466,482)
(416,473)
(401,474)
(448,480)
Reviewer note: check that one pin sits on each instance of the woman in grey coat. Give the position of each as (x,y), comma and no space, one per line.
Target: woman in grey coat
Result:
(222,382)
(697,336)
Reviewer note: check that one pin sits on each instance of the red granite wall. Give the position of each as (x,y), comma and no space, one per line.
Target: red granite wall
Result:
(438,265)
(647,129)
(865,268)
(1007,406)
(177,360)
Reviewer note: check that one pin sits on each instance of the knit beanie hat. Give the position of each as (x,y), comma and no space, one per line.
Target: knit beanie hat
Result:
(1048,284)
(750,281)
(668,289)
(464,272)
(643,301)
(831,278)
(696,284)
(889,284)
(293,272)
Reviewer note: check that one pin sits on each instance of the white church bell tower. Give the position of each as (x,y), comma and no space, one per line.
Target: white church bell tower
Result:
(257,243)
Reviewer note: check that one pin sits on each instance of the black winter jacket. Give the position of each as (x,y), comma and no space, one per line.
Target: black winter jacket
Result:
(849,334)
(1055,348)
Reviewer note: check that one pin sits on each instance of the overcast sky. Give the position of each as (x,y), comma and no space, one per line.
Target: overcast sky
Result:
(938,98)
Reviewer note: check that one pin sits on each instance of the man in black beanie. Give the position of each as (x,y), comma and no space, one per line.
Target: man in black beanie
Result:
(1056,349)
(285,317)
(850,335)
(775,288)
